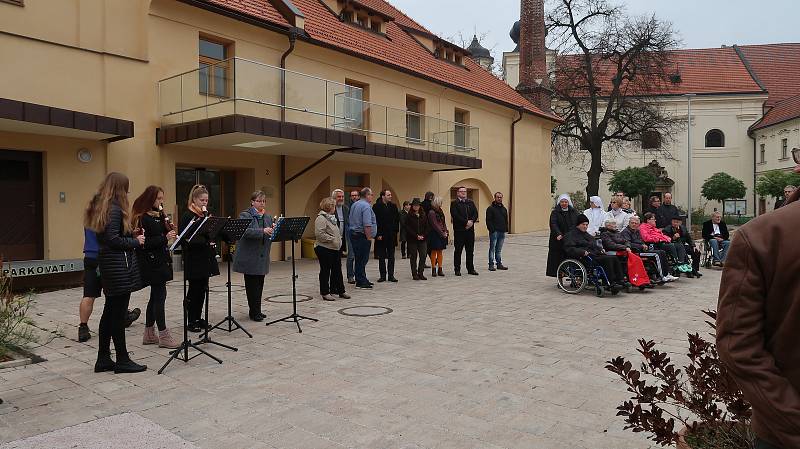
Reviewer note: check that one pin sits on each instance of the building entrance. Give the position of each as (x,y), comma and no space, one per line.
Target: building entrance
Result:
(221,185)
(21,226)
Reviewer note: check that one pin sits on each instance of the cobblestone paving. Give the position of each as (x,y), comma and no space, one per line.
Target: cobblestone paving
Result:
(500,360)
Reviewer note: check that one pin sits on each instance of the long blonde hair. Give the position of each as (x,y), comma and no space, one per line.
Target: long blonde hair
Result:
(114,189)
(195,193)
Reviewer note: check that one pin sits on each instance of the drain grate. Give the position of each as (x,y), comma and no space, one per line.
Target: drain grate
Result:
(287,298)
(364,311)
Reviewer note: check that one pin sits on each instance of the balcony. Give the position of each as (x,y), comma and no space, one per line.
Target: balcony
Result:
(252,90)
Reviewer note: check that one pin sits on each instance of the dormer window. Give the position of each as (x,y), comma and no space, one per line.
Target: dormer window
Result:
(356,12)
(449,52)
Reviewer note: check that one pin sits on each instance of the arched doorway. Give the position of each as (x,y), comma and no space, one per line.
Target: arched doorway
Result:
(477,191)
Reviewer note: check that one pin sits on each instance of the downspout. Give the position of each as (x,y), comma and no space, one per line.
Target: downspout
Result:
(512,169)
(755,167)
(292,39)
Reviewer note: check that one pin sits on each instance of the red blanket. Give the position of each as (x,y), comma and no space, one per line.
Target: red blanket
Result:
(637,274)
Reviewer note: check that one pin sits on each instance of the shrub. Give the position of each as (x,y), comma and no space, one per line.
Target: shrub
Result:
(702,397)
(16,331)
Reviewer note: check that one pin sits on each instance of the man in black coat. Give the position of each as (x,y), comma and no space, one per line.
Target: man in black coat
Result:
(388,218)
(497,224)
(715,232)
(666,212)
(464,214)
(787,192)
(680,235)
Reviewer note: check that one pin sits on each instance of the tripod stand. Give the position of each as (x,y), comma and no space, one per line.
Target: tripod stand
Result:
(233,231)
(291,229)
(182,352)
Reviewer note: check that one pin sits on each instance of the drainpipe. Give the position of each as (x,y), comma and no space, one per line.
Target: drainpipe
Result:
(755,167)
(292,39)
(512,169)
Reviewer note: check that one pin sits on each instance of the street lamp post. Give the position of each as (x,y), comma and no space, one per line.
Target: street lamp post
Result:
(689,161)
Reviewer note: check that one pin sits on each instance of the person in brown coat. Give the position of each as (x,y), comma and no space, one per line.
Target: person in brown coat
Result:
(758,321)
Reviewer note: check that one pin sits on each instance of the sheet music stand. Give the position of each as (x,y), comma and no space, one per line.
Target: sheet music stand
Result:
(213,228)
(182,352)
(232,231)
(291,229)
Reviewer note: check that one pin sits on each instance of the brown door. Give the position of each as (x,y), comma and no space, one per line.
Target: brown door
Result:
(21,207)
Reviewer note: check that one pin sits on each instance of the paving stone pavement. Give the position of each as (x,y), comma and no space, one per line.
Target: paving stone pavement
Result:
(500,360)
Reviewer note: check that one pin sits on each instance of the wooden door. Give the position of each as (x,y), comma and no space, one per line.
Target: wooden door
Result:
(21,227)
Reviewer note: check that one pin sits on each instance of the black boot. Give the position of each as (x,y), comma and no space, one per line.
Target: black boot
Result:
(104,363)
(433,272)
(128,366)
(441,272)
(422,277)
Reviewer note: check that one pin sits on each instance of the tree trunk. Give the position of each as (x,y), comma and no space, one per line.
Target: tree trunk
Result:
(593,175)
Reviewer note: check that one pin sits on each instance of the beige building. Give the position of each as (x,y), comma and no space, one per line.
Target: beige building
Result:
(292,97)
(730,90)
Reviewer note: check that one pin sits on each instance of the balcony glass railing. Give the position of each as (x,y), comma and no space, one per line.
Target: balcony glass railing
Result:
(241,86)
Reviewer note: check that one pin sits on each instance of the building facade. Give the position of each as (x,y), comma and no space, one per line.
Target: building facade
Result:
(737,95)
(293,98)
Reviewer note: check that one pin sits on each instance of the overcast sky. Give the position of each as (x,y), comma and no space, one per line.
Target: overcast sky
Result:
(700,23)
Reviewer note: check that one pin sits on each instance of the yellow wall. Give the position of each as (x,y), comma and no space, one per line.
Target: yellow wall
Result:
(113,53)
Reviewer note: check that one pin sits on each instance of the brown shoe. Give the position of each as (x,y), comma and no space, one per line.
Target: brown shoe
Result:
(165,340)
(150,337)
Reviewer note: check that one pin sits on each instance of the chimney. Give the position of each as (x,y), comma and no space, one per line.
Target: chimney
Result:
(534,83)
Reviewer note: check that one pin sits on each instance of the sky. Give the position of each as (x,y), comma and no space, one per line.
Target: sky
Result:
(699,23)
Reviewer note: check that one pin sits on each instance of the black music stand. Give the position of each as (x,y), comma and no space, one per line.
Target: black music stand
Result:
(214,226)
(232,231)
(182,352)
(291,229)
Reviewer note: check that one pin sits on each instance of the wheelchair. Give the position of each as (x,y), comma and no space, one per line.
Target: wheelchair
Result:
(708,255)
(575,275)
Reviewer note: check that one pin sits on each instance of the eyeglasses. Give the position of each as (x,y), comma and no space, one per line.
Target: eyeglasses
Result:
(796,155)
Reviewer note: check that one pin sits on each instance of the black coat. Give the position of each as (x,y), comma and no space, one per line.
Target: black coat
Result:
(497,218)
(708,230)
(461,212)
(416,225)
(199,258)
(633,238)
(684,237)
(576,242)
(664,214)
(119,267)
(561,222)
(387,217)
(613,241)
(154,260)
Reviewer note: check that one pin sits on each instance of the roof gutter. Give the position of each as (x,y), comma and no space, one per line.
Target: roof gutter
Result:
(513,169)
(236,16)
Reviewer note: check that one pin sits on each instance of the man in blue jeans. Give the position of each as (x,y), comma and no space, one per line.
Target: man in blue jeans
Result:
(363,228)
(497,223)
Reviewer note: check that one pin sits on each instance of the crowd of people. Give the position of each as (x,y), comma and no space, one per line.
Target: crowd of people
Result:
(126,249)
(617,233)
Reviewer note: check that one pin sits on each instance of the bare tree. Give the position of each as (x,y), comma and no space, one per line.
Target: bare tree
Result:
(608,71)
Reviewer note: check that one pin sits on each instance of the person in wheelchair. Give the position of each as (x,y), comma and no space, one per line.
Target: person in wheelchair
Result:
(614,243)
(715,233)
(647,252)
(653,236)
(579,244)
(680,237)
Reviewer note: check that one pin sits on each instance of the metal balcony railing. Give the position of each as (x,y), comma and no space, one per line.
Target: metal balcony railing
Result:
(241,86)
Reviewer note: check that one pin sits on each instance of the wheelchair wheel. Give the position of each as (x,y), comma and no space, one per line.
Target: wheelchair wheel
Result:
(599,291)
(572,276)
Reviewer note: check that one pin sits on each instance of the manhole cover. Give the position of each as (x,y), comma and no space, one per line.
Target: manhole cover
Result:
(365,311)
(224,289)
(287,298)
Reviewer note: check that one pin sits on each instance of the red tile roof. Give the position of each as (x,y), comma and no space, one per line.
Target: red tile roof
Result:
(702,71)
(259,9)
(398,49)
(777,66)
(787,109)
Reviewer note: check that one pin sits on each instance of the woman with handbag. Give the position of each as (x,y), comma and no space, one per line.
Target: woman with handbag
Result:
(119,271)
(155,263)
